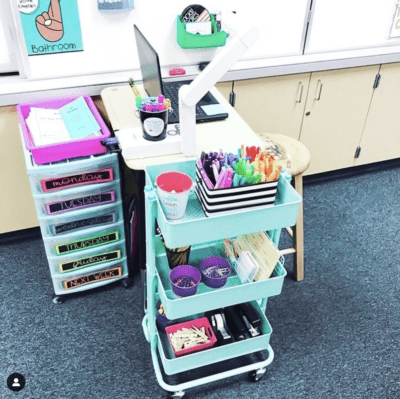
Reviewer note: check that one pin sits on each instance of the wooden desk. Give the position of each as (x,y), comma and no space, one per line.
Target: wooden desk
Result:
(228,134)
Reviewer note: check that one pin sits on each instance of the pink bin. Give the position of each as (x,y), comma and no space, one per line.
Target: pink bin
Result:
(71,149)
(198,323)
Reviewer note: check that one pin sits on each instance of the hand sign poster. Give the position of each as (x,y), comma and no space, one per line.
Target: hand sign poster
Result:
(50,26)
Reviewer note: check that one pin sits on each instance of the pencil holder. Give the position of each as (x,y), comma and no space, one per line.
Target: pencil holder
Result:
(189,40)
(177,256)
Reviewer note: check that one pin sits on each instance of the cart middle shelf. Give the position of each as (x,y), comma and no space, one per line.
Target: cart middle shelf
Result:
(207,298)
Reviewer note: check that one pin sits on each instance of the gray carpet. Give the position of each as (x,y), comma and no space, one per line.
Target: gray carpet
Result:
(335,335)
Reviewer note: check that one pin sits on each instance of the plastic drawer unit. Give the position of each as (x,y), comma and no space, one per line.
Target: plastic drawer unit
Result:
(79,207)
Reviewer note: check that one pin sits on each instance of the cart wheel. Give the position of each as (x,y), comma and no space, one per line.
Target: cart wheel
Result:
(256,375)
(179,394)
(126,282)
(58,299)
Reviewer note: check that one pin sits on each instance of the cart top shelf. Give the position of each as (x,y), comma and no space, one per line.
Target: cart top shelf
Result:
(196,227)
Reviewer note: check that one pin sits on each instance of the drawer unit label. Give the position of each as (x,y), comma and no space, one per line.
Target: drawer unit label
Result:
(84,223)
(59,183)
(87,243)
(77,203)
(93,278)
(89,261)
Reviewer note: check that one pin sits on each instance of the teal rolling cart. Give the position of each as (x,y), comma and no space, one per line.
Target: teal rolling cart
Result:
(206,235)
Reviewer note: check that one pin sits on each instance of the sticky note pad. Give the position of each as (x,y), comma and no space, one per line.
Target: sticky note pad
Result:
(213,109)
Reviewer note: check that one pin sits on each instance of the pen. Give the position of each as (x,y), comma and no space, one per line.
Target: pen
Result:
(134,88)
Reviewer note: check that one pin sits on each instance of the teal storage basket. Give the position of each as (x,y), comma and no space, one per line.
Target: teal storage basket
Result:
(191,41)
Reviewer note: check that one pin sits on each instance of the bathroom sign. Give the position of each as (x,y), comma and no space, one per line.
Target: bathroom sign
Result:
(394,29)
(50,26)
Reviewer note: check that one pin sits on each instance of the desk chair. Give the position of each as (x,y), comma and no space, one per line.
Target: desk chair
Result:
(300,161)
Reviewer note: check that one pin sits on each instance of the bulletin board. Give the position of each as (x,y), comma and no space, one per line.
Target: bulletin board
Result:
(109,44)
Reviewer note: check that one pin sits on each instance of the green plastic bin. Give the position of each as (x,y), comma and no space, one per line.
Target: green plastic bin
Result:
(191,41)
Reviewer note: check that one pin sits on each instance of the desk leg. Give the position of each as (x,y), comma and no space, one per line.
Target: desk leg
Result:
(298,233)
(140,178)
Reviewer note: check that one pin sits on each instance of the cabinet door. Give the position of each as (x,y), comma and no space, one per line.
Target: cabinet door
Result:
(273,105)
(381,137)
(16,202)
(335,114)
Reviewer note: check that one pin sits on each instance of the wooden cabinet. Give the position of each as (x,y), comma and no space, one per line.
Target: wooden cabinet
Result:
(335,114)
(380,140)
(273,105)
(16,202)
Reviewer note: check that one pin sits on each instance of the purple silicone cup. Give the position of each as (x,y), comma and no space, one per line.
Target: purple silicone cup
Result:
(184,270)
(215,261)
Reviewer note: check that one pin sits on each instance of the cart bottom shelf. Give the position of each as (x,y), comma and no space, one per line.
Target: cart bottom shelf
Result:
(174,365)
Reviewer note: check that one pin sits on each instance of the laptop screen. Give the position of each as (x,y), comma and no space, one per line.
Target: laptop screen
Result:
(149,65)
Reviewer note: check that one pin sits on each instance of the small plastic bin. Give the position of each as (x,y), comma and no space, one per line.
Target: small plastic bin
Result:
(185,271)
(82,219)
(90,278)
(228,200)
(88,239)
(61,202)
(198,323)
(70,149)
(189,40)
(68,264)
(215,282)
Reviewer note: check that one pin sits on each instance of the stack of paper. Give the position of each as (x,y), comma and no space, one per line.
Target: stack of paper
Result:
(73,121)
(262,251)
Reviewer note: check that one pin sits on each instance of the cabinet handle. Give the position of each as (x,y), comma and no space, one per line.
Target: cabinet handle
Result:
(320,90)
(301,92)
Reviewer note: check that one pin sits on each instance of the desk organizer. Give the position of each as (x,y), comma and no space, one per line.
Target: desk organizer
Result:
(85,242)
(189,40)
(71,149)
(226,200)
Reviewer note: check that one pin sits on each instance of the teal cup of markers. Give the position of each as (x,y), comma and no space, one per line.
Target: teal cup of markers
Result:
(153,113)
